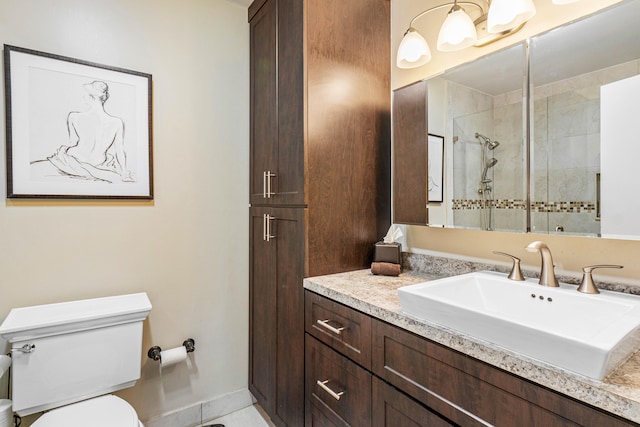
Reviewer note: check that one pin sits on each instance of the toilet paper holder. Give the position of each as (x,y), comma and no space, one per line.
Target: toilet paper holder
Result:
(154,352)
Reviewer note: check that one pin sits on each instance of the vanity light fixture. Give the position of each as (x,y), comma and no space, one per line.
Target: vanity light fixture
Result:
(457,31)
(413,50)
(505,15)
(494,19)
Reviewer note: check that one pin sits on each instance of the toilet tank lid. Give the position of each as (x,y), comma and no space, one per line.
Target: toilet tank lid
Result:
(51,319)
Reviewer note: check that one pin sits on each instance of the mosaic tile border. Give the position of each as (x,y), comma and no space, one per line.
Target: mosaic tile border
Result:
(564,207)
(459,204)
(541,207)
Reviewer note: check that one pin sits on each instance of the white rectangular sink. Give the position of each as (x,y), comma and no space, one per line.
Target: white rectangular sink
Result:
(587,334)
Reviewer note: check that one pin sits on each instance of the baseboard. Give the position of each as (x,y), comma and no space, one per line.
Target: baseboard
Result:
(200,413)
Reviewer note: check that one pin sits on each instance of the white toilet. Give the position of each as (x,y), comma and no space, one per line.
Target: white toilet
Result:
(68,357)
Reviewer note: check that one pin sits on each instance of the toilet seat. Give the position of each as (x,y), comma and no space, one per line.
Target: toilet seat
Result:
(103,411)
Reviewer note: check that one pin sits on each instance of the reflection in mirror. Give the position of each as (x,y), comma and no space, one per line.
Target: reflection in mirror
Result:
(478,108)
(584,150)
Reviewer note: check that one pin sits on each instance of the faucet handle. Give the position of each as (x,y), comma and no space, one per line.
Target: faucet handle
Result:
(587,285)
(516,272)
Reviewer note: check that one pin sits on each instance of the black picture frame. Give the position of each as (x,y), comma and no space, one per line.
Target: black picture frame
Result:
(76,129)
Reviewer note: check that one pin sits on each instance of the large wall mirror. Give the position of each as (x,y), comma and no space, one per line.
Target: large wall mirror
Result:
(478,108)
(584,156)
(585,151)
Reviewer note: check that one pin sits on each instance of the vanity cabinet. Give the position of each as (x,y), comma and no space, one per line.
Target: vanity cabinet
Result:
(417,382)
(320,150)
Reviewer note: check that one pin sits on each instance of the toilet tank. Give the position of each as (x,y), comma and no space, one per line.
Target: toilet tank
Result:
(71,351)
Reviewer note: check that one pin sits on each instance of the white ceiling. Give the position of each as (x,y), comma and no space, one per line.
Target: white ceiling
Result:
(245,3)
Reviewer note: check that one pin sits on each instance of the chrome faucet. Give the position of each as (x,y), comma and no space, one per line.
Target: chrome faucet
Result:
(547,274)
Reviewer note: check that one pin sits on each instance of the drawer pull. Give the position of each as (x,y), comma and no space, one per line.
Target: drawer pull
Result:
(323,385)
(325,324)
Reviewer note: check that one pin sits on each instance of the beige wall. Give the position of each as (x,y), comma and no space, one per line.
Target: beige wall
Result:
(570,253)
(188,248)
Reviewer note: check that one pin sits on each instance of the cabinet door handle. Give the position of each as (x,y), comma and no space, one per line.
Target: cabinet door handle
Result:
(264,184)
(325,324)
(267,183)
(323,385)
(266,227)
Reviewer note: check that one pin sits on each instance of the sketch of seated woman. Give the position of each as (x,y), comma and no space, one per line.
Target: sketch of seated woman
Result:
(96,142)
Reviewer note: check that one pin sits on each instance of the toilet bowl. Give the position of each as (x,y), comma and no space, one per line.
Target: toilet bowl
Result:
(103,411)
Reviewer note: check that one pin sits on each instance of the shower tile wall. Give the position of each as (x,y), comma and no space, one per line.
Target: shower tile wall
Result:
(566,151)
(565,154)
(499,118)
(509,174)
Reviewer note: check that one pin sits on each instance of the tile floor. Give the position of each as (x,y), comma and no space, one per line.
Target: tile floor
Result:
(251,416)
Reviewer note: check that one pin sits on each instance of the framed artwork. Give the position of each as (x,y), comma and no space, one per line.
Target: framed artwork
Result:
(76,129)
(435,167)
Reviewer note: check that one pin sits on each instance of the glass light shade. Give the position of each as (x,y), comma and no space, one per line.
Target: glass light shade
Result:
(413,50)
(564,1)
(457,32)
(505,15)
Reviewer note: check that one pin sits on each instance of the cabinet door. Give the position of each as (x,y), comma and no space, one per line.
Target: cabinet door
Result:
(264,117)
(470,392)
(276,67)
(276,303)
(262,316)
(392,408)
(336,387)
(344,329)
(317,415)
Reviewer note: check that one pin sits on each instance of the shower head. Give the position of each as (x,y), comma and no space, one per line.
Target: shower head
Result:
(483,138)
(491,163)
(487,142)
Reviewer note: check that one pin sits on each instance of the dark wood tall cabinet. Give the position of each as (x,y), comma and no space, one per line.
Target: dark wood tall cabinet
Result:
(320,170)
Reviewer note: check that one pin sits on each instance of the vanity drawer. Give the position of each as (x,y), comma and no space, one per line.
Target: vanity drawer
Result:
(392,408)
(338,391)
(344,329)
(470,392)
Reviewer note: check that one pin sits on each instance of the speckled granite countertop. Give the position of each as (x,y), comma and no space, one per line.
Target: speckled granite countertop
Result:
(377,296)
